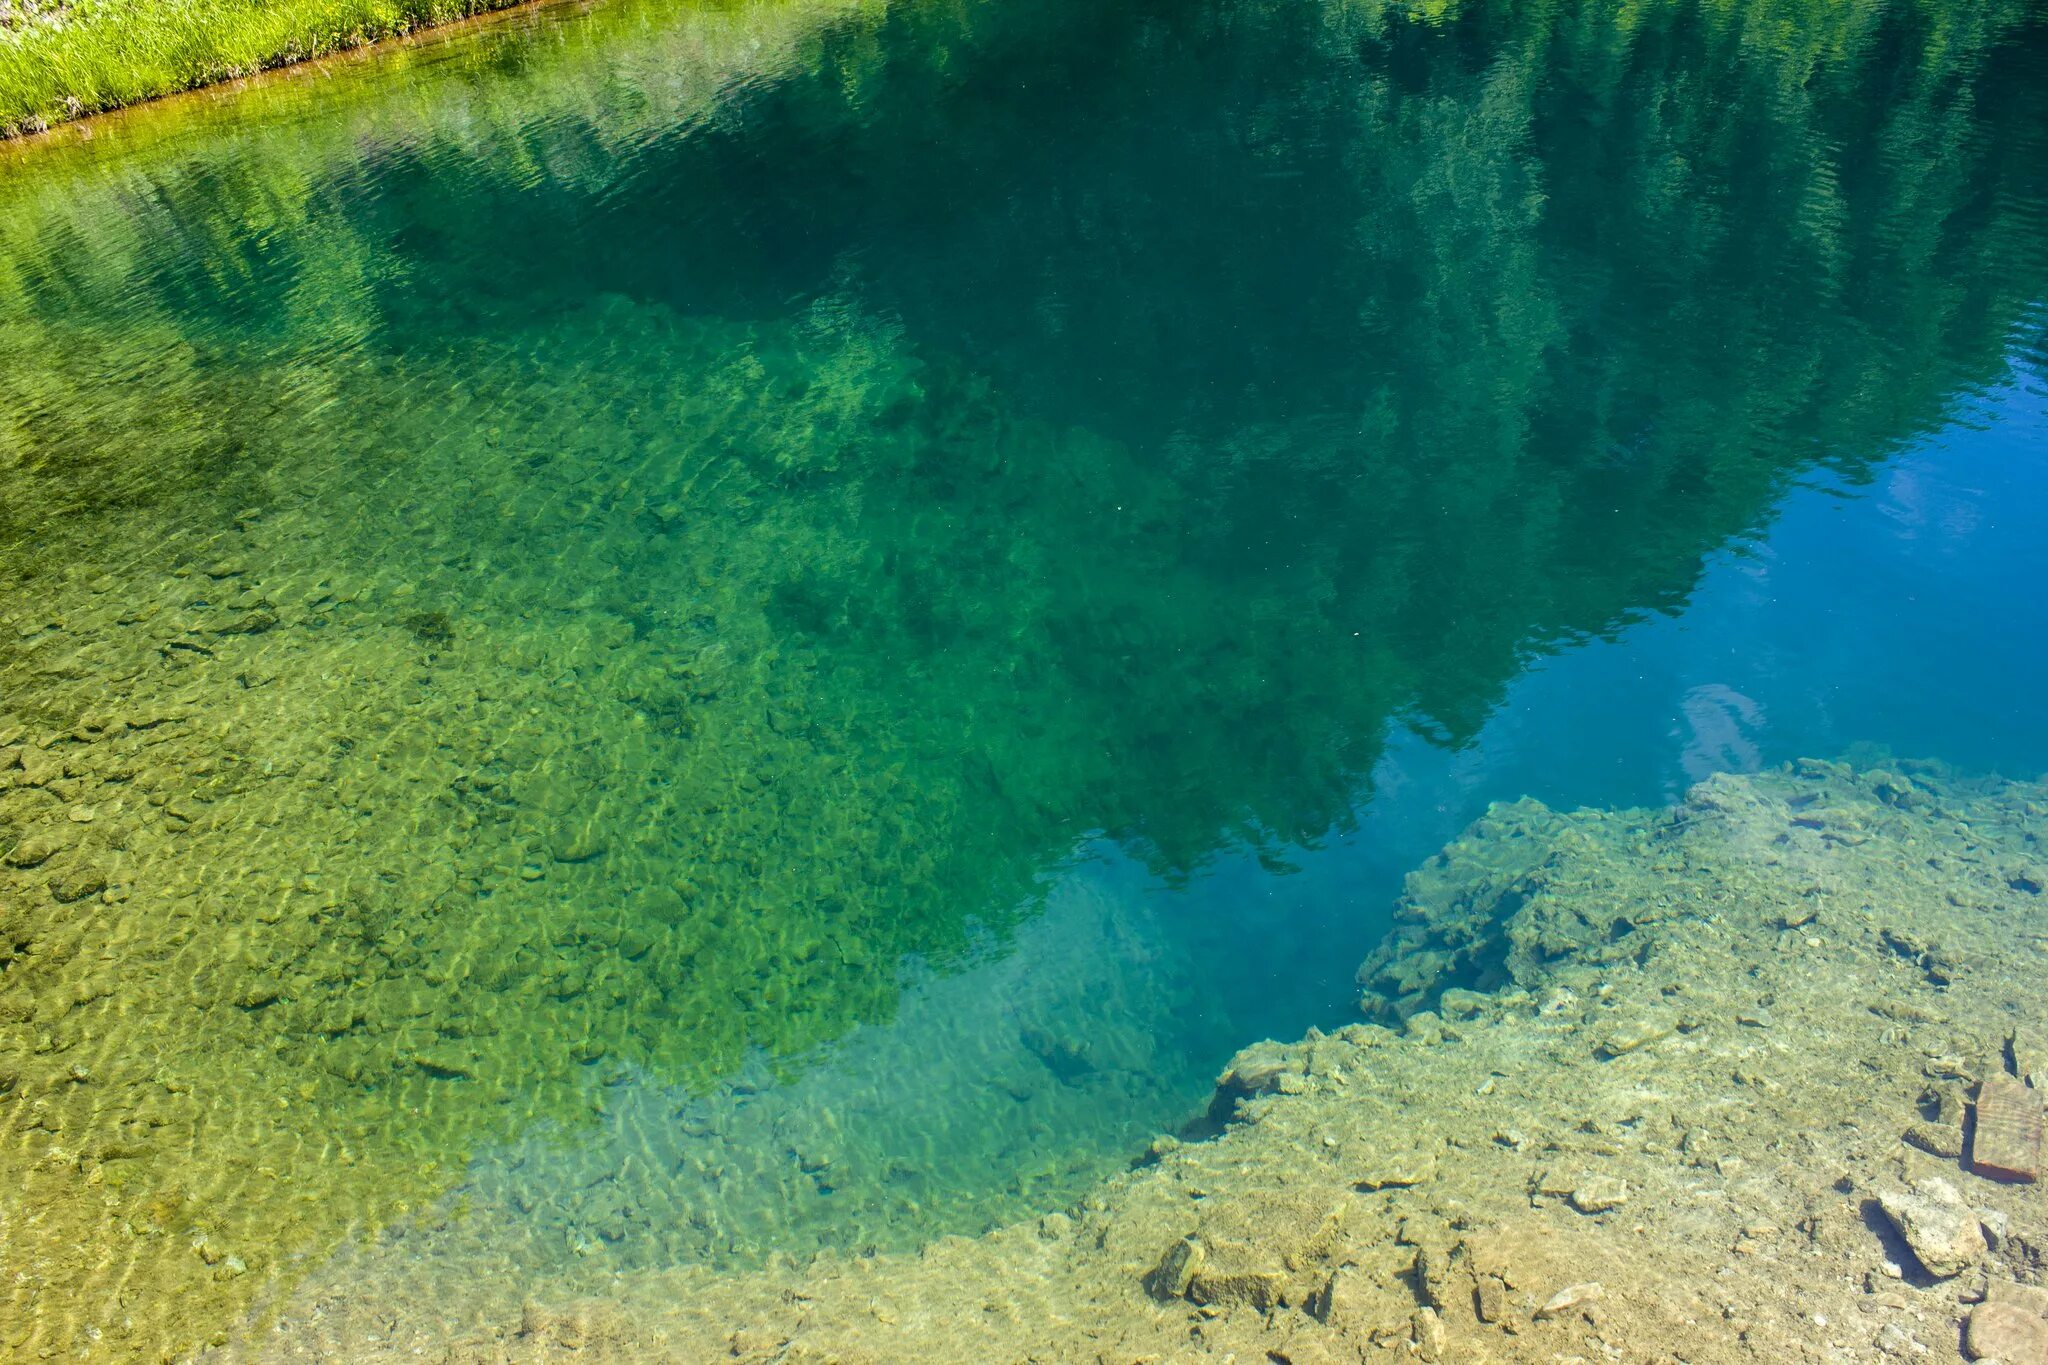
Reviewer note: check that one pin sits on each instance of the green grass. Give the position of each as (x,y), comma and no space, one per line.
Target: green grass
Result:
(60,62)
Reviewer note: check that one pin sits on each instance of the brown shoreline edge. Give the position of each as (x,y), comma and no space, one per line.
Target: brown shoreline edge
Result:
(1715,1104)
(20,139)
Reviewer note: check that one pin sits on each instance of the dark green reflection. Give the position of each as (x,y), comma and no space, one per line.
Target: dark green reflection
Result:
(558,570)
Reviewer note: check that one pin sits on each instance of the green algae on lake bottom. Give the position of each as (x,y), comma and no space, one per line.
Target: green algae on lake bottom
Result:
(585,592)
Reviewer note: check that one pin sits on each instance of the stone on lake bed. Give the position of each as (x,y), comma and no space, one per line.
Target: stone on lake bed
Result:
(1569,1299)
(258,992)
(1176,1269)
(76,883)
(1425,1027)
(1937,1139)
(1585,1192)
(1942,1231)
(2006,1144)
(577,843)
(2032,1298)
(1261,1290)
(1642,1030)
(1598,1194)
(444,1064)
(1258,1069)
(36,849)
(1398,1170)
(2005,1331)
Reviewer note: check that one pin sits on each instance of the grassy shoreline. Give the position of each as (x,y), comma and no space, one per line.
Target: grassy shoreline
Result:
(61,61)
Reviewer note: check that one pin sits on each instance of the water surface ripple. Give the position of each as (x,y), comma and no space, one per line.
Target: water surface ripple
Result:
(668,634)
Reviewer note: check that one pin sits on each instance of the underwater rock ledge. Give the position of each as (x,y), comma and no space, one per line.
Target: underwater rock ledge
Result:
(1710,1084)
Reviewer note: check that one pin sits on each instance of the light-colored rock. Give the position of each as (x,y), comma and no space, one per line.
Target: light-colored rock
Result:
(1425,1027)
(1459,1003)
(1635,1032)
(1570,1299)
(1259,1069)
(1433,1274)
(2007,1332)
(2029,1047)
(1896,1341)
(1942,1231)
(1430,1338)
(1599,1193)
(1396,1170)
(1303,1349)
(1347,1300)
(1259,1289)
(2032,1298)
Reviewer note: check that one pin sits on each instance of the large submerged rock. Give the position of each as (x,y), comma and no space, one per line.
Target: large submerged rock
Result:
(1945,1234)
(1506,901)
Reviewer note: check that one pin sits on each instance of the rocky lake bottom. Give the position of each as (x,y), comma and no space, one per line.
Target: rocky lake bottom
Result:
(755,682)
(1752,1078)
(1722,1061)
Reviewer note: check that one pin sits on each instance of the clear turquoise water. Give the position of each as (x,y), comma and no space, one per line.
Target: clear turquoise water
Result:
(859,598)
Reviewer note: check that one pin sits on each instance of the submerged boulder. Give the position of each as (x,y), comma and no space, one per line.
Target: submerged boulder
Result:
(2005,1331)
(1257,1248)
(1943,1233)
(1497,909)
(1260,1069)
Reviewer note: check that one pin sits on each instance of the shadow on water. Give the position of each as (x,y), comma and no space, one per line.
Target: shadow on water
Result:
(553,579)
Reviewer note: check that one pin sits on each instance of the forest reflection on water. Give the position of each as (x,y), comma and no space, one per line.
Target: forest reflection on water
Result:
(565,575)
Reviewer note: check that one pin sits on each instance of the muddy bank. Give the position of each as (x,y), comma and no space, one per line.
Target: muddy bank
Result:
(1747,1079)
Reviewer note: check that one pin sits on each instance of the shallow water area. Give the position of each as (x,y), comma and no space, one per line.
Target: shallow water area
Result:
(689,637)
